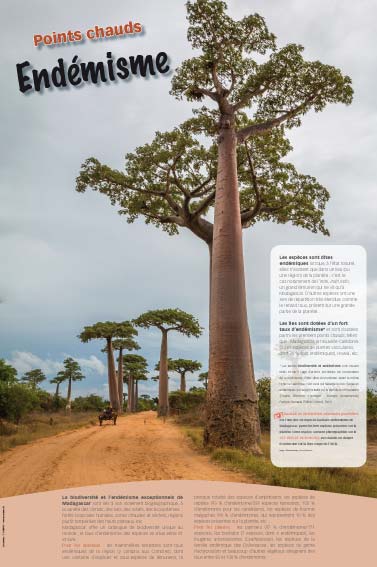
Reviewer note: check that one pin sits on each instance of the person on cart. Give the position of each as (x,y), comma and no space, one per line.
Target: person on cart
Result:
(108,411)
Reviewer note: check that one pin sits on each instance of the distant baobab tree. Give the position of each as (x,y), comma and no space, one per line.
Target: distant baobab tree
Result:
(167,320)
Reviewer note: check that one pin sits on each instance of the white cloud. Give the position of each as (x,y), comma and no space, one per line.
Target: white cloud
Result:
(25,361)
(92,364)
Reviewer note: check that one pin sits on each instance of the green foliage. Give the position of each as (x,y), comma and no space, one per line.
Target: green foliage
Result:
(135,366)
(170,320)
(173,186)
(127,343)
(46,401)
(72,371)
(357,481)
(264,401)
(146,403)
(92,402)
(186,401)
(227,71)
(160,178)
(33,378)
(223,43)
(108,330)
(59,379)
(183,365)
(171,181)
(16,400)
(203,378)
(371,405)
(58,403)
(8,374)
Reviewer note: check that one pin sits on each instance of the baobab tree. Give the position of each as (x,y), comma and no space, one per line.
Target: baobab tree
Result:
(121,345)
(71,373)
(203,378)
(135,368)
(33,378)
(255,93)
(167,320)
(108,331)
(59,379)
(182,366)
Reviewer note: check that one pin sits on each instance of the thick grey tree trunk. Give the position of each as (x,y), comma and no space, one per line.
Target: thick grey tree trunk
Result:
(130,402)
(183,382)
(69,394)
(232,408)
(163,382)
(120,380)
(113,386)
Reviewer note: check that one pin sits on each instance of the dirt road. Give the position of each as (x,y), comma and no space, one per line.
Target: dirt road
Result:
(139,447)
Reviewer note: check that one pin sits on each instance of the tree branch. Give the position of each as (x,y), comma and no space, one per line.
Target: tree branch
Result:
(197,192)
(165,219)
(204,204)
(247,216)
(244,101)
(268,209)
(206,92)
(265,127)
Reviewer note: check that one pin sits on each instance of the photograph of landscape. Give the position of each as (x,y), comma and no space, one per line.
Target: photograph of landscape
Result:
(138,214)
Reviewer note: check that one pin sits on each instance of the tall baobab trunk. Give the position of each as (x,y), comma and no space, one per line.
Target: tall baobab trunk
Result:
(136,396)
(130,399)
(232,408)
(57,390)
(69,394)
(163,389)
(113,387)
(120,379)
(183,382)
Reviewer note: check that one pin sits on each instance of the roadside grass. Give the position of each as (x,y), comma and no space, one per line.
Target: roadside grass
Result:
(38,425)
(357,481)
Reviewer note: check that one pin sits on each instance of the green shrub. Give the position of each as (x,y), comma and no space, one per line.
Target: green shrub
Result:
(264,401)
(371,405)
(8,374)
(16,400)
(186,401)
(146,403)
(88,403)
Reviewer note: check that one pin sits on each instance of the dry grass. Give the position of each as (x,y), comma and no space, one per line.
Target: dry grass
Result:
(36,426)
(357,481)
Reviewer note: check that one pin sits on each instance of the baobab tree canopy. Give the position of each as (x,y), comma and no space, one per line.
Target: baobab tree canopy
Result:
(171,182)
(33,377)
(170,320)
(136,366)
(183,365)
(72,371)
(203,377)
(107,330)
(167,320)
(127,343)
(278,88)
